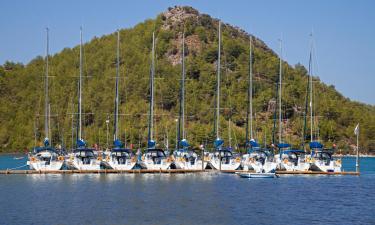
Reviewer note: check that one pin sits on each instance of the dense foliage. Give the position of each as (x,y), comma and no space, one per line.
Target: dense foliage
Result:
(22,104)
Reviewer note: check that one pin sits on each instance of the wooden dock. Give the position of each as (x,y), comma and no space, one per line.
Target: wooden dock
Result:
(170,171)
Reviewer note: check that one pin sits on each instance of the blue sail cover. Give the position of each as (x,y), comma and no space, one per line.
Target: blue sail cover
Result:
(293,151)
(184,143)
(118,144)
(81,143)
(283,145)
(218,143)
(151,144)
(253,143)
(46,148)
(315,144)
(46,142)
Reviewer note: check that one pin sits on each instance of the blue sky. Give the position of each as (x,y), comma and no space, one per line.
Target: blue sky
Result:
(344,30)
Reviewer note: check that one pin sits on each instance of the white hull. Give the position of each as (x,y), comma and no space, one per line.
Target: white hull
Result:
(126,166)
(150,165)
(182,164)
(249,163)
(268,167)
(245,163)
(78,164)
(257,175)
(285,164)
(232,165)
(333,166)
(301,166)
(42,166)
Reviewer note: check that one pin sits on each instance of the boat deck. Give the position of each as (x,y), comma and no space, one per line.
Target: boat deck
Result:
(170,171)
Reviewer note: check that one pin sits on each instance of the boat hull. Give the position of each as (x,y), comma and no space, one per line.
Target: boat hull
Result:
(267,167)
(43,166)
(232,165)
(182,164)
(257,175)
(78,165)
(126,166)
(150,165)
(301,166)
(332,166)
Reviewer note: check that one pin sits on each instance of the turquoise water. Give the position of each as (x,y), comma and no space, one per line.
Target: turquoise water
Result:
(209,198)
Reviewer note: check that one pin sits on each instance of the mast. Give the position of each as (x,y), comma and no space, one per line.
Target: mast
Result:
(183,88)
(152,74)
(229,134)
(311,94)
(79,128)
(217,118)
(181,119)
(280,79)
(115,135)
(46,103)
(306,106)
(275,115)
(251,89)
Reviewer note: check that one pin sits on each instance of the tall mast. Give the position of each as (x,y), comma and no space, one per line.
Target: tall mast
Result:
(80,89)
(181,119)
(115,136)
(218,86)
(311,94)
(46,103)
(280,79)
(183,88)
(229,134)
(152,74)
(251,88)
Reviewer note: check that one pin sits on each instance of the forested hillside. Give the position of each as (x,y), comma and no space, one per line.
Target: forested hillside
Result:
(22,103)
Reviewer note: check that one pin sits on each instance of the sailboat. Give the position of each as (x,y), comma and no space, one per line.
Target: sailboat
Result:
(185,158)
(153,158)
(288,158)
(46,157)
(83,158)
(221,158)
(258,159)
(321,158)
(118,157)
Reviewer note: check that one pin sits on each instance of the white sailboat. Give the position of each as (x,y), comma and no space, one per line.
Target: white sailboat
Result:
(83,158)
(292,159)
(321,158)
(45,158)
(118,157)
(153,158)
(288,159)
(258,159)
(185,158)
(221,158)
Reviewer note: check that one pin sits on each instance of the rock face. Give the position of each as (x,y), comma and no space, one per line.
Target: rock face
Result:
(179,18)
(176,16)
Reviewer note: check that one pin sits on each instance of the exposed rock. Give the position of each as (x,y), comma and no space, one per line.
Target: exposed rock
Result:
(271,105)
(174,17)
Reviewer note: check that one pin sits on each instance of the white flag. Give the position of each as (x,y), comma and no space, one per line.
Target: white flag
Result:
(356,130)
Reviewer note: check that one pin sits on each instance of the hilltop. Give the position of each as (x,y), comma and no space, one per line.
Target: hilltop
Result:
(21,89)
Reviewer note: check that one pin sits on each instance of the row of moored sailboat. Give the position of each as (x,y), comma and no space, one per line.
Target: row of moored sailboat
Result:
(261,160)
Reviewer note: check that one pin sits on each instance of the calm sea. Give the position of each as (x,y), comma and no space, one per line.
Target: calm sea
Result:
(209,198)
